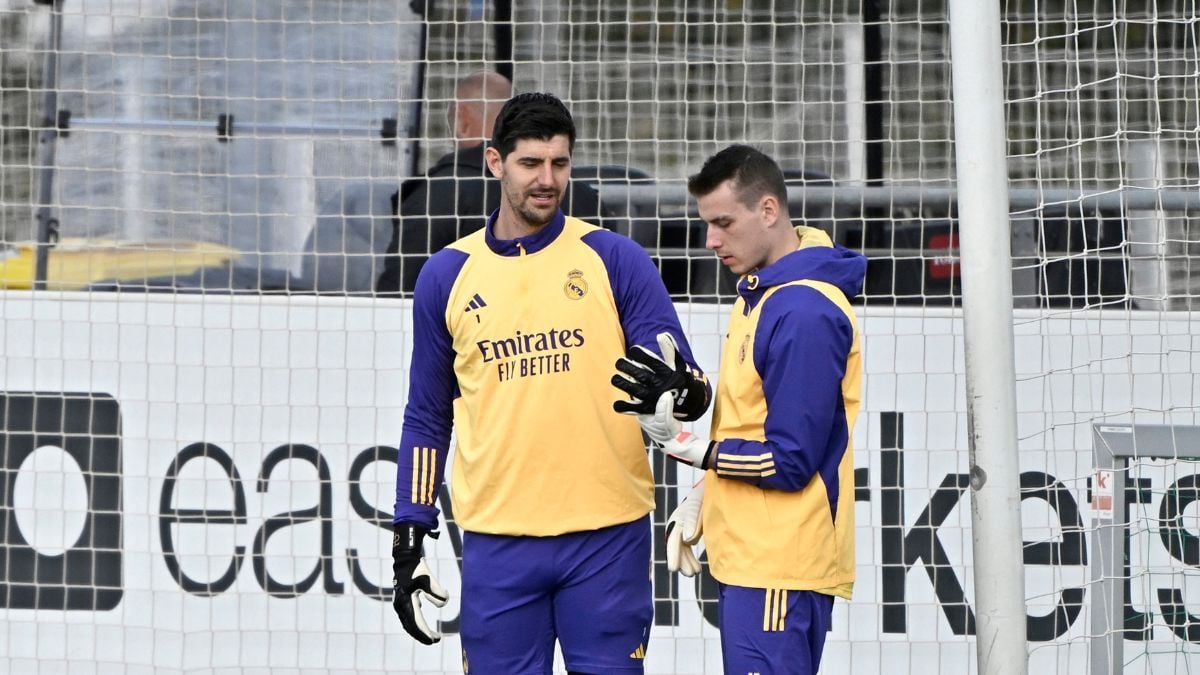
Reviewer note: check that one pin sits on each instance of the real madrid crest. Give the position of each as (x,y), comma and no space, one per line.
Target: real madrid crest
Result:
(576,287)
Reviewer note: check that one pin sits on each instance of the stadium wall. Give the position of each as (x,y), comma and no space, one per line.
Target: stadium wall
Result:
(229,460)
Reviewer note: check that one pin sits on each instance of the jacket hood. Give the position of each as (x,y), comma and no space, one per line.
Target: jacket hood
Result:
(816,258)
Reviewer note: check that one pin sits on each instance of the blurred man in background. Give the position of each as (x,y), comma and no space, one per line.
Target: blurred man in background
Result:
(456,195)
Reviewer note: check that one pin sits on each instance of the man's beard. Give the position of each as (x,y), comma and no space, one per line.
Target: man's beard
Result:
(530,216)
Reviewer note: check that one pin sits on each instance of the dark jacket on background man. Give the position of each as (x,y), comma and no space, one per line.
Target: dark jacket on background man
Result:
(451,200)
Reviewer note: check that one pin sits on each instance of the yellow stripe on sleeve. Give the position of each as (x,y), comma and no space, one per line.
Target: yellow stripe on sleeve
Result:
(728,464)
(756,474)
(416,474)
(730,457)
(762,466)
(430,472)
(424,469)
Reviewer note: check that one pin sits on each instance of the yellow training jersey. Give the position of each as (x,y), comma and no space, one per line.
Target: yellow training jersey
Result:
(516,340)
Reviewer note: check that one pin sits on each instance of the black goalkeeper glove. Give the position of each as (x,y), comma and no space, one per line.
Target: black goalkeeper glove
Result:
(411,580)
(645,377)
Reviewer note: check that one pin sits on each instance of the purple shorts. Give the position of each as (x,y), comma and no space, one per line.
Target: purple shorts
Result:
(589,590)
(772,631)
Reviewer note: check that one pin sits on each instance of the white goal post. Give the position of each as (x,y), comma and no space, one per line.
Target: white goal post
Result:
(985,236)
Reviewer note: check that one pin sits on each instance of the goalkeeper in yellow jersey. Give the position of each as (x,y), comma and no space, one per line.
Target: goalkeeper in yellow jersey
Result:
(515,328)
(775,505)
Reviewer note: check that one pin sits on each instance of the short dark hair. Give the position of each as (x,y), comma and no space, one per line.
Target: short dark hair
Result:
(753,173)
(532,115)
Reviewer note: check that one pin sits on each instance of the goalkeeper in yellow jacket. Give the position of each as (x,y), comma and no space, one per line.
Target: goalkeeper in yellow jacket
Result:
(776,502)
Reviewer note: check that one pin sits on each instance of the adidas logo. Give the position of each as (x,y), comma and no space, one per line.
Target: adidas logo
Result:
(639,653)
(474,305)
